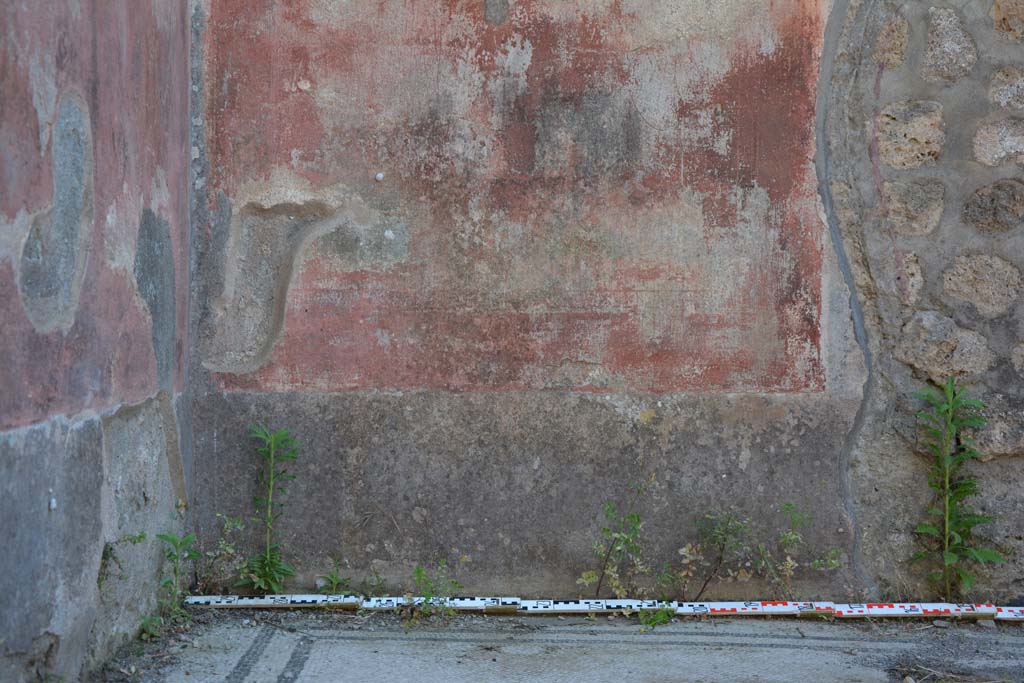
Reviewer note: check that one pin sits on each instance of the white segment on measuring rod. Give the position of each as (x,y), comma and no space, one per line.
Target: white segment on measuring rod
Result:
(778,608)
(718,608)
(624,604)
(878,609)
(477,604)
(985,610)
(1009,613)
(593,605)
(296,600)
(916,609)
(562,606)
(383,603)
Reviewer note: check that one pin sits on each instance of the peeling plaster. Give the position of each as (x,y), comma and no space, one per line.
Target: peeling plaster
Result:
(564,177)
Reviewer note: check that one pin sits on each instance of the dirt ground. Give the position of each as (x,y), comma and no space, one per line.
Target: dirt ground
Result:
(247,646)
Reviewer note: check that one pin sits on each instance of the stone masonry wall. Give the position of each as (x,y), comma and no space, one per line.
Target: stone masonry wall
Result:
(93,300)
(491,261)
(924,144)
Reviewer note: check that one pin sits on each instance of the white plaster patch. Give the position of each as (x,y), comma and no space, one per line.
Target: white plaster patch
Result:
(768,40)
(160,195)
(516,58)
(513,62)
(714,19)
(12,235)
(651,92)
(120,231)
(744,457)
(41,72)
(285,186)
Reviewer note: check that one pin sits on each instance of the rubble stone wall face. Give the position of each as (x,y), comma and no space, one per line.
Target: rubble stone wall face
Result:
(923,127)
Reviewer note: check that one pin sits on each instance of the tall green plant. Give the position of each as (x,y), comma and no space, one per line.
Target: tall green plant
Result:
(267,571)
(950,537)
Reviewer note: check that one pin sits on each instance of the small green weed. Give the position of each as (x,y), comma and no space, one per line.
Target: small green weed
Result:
(832,559)
(722,537)
(152,627)
(333,583)
(653,618)
(135,539)
(268,571)
(435,587)
(721,553)
(224,563)
(791,546)
(374,585)
(620,550)
(950,537)
(178,551)
(109,558)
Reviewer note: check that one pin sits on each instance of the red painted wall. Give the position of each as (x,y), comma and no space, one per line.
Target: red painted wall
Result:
(127,63)
(595,196)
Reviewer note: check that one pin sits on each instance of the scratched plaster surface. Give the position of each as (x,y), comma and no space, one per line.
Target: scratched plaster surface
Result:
(93,130)
(591,196)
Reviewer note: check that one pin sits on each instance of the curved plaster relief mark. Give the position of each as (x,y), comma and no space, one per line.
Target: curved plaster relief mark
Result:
(264,247)
(55,252)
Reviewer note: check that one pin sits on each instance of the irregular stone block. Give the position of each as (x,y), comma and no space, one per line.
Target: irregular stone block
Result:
(891,45)
(951,52)
(1007,88)
(988,282)
(938,348)
(51,477)
(1001,141)
(1008,17)
(914,207)
(141,459)
(998,207)
(1003,433)
(911,134)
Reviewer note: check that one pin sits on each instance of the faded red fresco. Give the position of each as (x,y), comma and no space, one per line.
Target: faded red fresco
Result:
(591,200)
(128,63)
